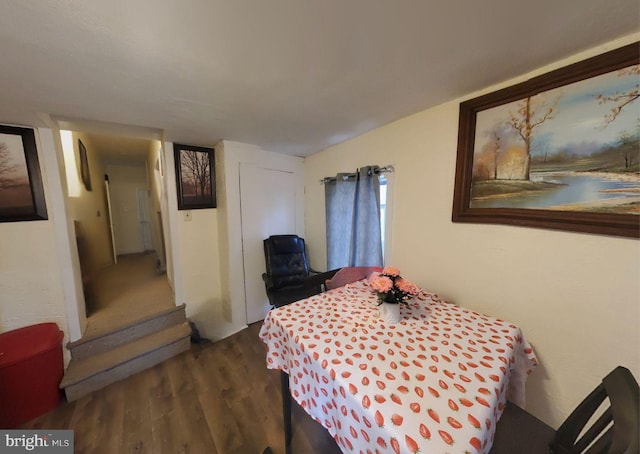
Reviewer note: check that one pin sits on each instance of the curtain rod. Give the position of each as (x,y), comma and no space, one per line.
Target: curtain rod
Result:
(385,169)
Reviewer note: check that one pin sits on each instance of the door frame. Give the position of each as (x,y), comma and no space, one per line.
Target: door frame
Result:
(234,153)
(55,167)
(245,168)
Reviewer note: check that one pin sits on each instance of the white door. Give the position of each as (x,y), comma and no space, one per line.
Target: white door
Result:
(124,182)
(268,207)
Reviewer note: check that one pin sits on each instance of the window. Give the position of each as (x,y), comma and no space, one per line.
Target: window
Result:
(353,219)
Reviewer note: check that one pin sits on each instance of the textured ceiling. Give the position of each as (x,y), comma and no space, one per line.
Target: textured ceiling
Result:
(290,76)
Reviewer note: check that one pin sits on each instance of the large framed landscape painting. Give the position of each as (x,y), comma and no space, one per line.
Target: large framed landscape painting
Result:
(559,151)
(195,177)
(21,191)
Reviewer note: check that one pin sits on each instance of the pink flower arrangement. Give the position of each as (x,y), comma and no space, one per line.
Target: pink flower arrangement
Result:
(391,287)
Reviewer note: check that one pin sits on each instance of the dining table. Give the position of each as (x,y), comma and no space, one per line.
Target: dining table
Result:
(435,382)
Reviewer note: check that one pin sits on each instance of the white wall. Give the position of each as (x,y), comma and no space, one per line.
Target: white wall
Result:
(35,260)
(576,296)
(199,260)
(30,287)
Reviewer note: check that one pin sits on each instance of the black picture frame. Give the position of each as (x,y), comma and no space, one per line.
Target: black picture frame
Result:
(598,221)
(195,177)
(21,189)
(84,166)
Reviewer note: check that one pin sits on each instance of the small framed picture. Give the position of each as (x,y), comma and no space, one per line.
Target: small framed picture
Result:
(84,166)
(195,177)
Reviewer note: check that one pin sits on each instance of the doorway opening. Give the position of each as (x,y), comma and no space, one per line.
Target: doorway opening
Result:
(116,204)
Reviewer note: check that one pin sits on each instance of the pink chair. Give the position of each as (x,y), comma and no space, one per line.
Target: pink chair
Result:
(350,274)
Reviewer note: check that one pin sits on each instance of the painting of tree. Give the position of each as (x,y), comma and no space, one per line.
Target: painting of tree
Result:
(21,197)
(7,167)
(195,173)
(569,148)
(14,181)
(621,100)
(525,120)
(195,177)
(559,150)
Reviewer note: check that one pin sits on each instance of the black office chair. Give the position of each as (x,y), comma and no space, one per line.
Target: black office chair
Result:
(615,431)
(289,277)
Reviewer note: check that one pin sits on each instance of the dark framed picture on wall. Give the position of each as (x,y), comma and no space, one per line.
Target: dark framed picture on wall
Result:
(558,151)
(84,166)
(195,177)
(21,190)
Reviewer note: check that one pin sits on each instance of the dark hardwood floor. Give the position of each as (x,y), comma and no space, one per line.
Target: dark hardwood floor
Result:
(215,399)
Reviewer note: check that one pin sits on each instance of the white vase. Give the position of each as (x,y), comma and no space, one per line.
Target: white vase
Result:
(390,312)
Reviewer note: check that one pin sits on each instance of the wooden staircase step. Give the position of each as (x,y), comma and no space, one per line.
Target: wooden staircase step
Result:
(86,375)
(135,329)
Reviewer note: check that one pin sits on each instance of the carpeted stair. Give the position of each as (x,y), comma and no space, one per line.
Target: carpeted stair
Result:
(105,358)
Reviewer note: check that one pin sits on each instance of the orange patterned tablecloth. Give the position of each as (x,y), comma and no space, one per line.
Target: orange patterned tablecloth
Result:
(436,382)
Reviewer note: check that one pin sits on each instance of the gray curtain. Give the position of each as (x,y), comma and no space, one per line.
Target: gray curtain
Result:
(353,219)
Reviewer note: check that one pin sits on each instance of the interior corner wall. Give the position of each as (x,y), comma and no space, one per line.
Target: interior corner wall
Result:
(575,296)
(223,234)
(33,266)
(168,188)
(154,176)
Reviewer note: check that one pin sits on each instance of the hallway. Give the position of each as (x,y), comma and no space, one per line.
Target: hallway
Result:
(125,293)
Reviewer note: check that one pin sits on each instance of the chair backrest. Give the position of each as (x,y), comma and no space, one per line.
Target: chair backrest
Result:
(617,428)
(286,260)
(350,274)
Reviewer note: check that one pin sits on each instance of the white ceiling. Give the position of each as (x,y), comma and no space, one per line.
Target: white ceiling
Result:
(292,76)
(118,149)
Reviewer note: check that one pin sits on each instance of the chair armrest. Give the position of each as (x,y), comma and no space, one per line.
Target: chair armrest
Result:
(314,283)
(320,278)
(267,280)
